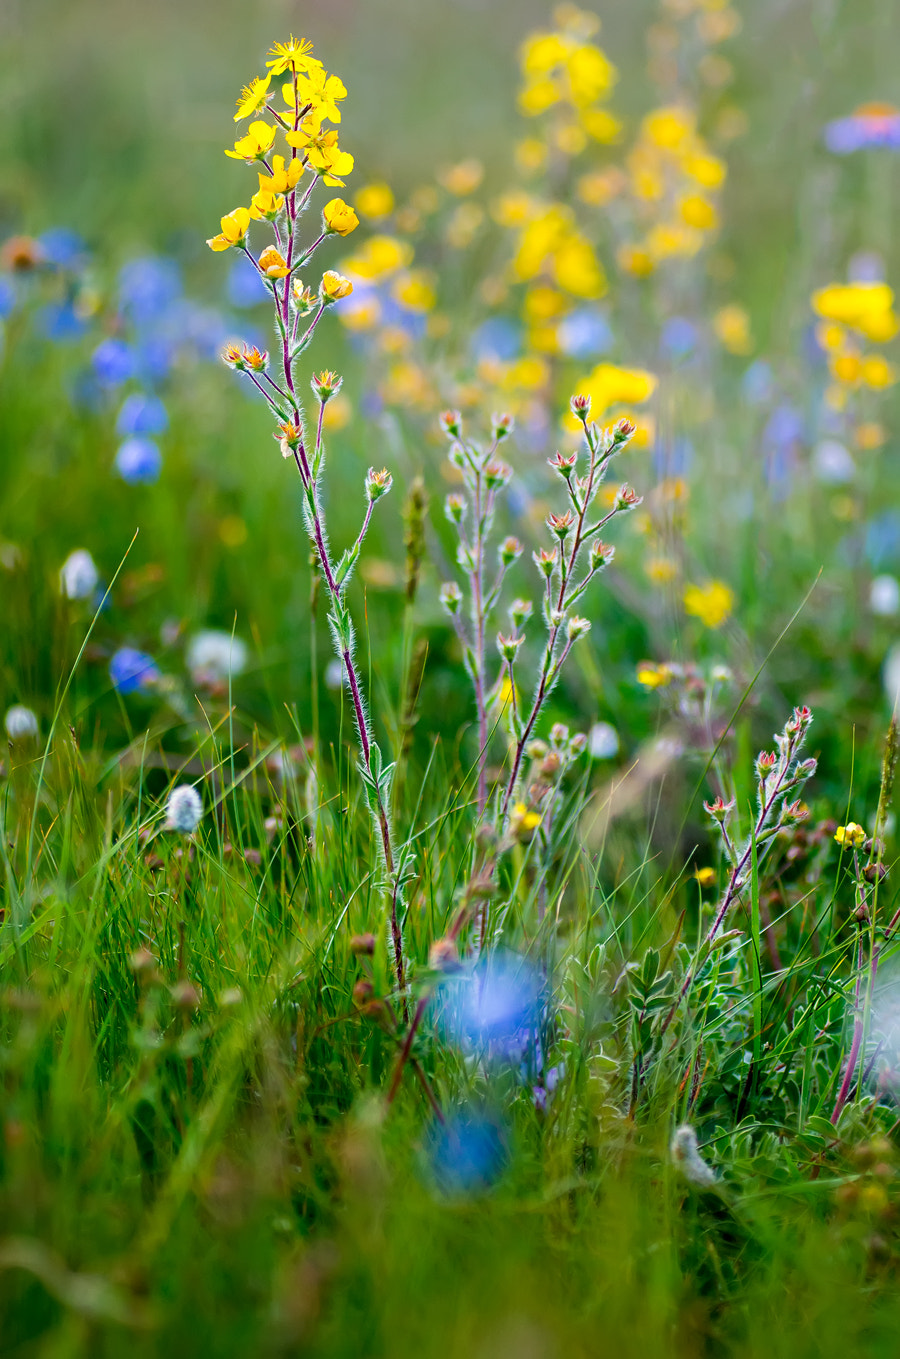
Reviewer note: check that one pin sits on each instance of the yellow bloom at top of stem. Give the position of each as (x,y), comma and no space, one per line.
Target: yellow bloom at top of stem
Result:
(321,92)
(253,97)
(292,55)
(255,145)
(272,263)
(711,603)
(234,229)
(339,217)
(851,836)
(282,179)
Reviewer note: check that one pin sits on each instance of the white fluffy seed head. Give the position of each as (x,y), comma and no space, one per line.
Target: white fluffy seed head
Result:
(184,809)
(78,575)
(21,723)
(686,1155)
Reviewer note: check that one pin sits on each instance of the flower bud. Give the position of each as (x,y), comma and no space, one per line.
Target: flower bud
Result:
(559,734)
(326,385)
(536,750)
(578,744)
(378,483)
(455,508)
(545,562)
(363,945)
(627,498)
(719,809)
(563,463)
(601,554)
(561,524)
(497,474)
(451,424)
(333,287)
(509,550)
(508,647)
(577,627)
(451,597)
(339,218)
(502,426)
(624,430)
(519,611)
(581,407)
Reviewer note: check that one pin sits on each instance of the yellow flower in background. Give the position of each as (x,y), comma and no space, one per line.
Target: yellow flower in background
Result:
(530,154)
(854,304)
(706,169)
(870,435)
(608,385)
(705,876)
(292,55)
(335,286)
(600,187)
(732,327)
(698,212)
(339,217)
(711,603)
(653,676)
(523,822)
(668,128)
(462,179)
(273,264)
(253,97)
(577,268)
(635,260)
(415,290)
(256,144)
(379,257)
(846,368)
(601,125)
(880,326)
(513,209)
(851,836)
(877,373)
(375,201)
(234,229)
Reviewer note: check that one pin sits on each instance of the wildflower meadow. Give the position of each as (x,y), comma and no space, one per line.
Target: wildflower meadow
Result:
(449,662)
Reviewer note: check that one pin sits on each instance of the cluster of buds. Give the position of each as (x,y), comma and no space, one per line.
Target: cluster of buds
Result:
(245,357)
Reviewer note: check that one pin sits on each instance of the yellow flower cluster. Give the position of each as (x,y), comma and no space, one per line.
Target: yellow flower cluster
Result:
(712,603)
(853,317)
(567,74)
(851,836)
(311,97)
(673,179)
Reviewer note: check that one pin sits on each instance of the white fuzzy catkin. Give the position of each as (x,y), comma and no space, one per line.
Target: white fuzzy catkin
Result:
(184,809)
(21,723)
(686,1155)
(78,575)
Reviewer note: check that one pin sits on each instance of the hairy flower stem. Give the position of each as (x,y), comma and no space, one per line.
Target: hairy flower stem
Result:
(856,1041)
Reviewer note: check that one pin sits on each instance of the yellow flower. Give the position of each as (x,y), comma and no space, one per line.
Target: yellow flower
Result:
(255,145)
(542,53)
(265,204)
(653,676)
(660,570)
(732,327)
(530,154)
(513,209)
(323,154)
(847,368)
(253,97)
(292,55)
(523,822)
(273,263)
(335,286)
(600,125)
(711,603)
(577,268)
(635,260)
(850,836)
(282,179)
(600,186)
(609,385)
(379,257)
(234,229)
(698,212)
(877,373)
(853,303)
(322,92)
(538,97)
(869,435)
(668,128)
(462,179)
(590,74)
(707,170)
(339,217)
(705,876)
(415,290)
(375,201)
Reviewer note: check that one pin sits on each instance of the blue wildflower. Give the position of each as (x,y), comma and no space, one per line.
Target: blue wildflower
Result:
(131,670)
(142,414)
(63,247)
(584,334)
(870,125)
(59,322)
(678,337)
(497,338)
(8,297)
(496,1007)
(467,1153)
(757,384)
(113,362)
(147,288)
(138,461)
(244,287)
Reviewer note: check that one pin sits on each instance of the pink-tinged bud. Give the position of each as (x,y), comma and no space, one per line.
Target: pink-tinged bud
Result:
(508,647)
(510,550)
(563,463)
(502,425)
(795,811)
(520,611)
(326,385)
(545,562)
(580,407)
(561,524)
(601,554)
(807,768)
(578,744)
(232,354)
(497,474)
(799,720)
(451,597)
(766,761)
(451,424)
(363,945)
(559,734)
(624,430)
(455,508)
(378,483)
(719,809)
(627,498)
(288,435)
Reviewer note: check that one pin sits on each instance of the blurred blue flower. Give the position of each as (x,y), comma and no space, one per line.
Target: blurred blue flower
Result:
(63,247)
(205,329)
(869,125)
(371,404)
(59,321)
(393,313)
(142,414)
(882,541)
(85,392)
(467,1153)
(784,427)
(758,384)
(8,296)
(673,457)
(497,338)
(113,362)
(138,461)
(496,1007)
(678,337)
(131,670)
(244,287)
(147,288)
(154,356)
(585,333)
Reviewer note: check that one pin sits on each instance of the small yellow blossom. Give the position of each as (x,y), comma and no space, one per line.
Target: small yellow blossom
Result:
(531,154)
(415,290)
(705,876)
(732,327)
(335,286)
(853,303)
(379,257)
(339,217)
(234,229)
(877,373)
(265,205)
(253,97)
(283,178)
(256,144)
(653,676)
(851,836)
(523,822)
(635,260)
(668,128)
(292,55)
(375,201)
(711,603)
(273,264)
(462,179)
(320,93)
(698,212)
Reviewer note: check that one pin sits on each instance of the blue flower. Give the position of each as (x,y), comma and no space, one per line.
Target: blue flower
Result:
(584,334)
(8,296)
(131,670)
(147,288)
(155,356)
(757,383)
(63,247)
(142,414)
(59,321)
(870,125)
(497,338)
(244,287)
(467,1153)
(678,337)
(113,362)
(882,543)
(138,461)
(496,1007)
(673,458)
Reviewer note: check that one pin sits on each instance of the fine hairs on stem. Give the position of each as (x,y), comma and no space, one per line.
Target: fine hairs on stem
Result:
(284,195)
(565,574)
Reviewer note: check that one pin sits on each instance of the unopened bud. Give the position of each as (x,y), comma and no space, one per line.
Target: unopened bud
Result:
(581,407)
(509,550)
(577,627)
(378,483)
(451,424)
(509,647)
(502,425)
(363,945)
(451,597)
(455,508)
